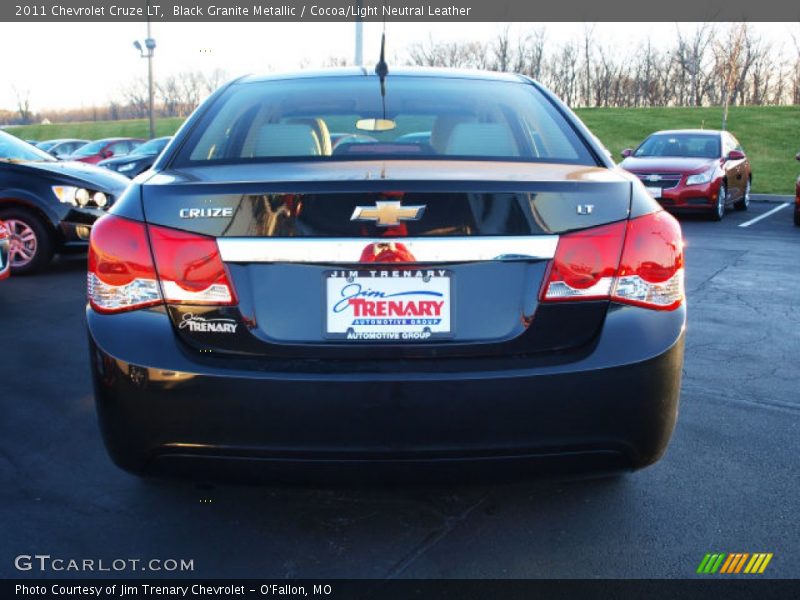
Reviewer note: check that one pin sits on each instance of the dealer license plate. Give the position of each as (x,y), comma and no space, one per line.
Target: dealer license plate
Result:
(392,305)
(655,192)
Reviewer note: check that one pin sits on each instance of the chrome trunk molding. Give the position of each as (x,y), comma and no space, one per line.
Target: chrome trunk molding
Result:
(427,250)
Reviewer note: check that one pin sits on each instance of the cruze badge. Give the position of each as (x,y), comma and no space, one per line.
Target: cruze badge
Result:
(205,213)
(388,213)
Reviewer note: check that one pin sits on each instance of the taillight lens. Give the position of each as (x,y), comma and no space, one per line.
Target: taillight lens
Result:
(121,272)
(636,262)
(651,269)
(3,231)
(585,264)
(190,268)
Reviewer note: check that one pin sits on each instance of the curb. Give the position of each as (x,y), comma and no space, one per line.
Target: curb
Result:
(771,198)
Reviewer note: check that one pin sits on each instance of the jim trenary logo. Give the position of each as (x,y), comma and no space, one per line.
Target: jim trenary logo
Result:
(734,564)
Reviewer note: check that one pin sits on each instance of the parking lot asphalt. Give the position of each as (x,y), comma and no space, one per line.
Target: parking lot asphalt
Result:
(728,483)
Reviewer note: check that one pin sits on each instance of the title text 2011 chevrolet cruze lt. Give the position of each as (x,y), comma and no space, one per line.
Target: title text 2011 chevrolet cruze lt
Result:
(490,290)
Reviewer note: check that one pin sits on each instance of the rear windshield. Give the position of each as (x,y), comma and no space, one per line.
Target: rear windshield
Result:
(341,118)
(692,145)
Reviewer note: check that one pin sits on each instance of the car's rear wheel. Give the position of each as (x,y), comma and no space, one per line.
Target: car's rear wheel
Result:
(744,203)
(31,243)
(719,207)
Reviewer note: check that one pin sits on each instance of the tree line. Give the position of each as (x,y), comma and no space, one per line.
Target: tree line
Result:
(712,65)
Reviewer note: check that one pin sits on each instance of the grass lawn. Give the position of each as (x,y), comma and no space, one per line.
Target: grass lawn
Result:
(770,135)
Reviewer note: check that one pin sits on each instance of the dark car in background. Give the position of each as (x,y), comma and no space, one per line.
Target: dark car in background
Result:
(693,170)
(505,296)
(61,148)
(5,243)
(96,151)
(139,160)
(49,206)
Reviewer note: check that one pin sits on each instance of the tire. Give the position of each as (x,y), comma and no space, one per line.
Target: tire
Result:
(31,241)
(719,210)
(744,203)
(797,217)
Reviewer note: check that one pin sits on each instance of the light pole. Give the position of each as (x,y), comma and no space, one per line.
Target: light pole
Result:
(359,53)
(147,52)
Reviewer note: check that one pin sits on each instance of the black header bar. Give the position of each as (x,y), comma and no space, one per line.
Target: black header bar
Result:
(399,10)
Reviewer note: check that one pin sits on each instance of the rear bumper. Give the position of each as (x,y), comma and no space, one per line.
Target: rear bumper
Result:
(160,408)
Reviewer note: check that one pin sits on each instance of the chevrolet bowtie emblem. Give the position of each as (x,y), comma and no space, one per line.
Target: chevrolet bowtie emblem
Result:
(387,213)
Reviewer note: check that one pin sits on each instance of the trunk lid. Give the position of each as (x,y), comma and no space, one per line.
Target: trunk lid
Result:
(295,235)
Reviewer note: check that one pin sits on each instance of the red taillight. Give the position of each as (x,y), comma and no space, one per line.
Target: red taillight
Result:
(585,264)
(123,275)
(651,269)
(648,271)
(190,268)
(121,272)
(3,231)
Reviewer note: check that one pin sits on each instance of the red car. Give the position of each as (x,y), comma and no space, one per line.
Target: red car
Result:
(5,259)
(797,198)
(693,170)
(94,152)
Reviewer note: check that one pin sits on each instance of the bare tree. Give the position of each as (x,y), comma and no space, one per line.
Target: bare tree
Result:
(588,32)
(190,84)
(136,98)
(170,95)
(501,48)
(691,55)
(449,54)
(23,104)
(214,79)
(529,58)
(733,57)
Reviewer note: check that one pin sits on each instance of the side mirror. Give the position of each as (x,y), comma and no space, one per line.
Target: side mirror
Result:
(627,152)
(736,155)
(797,156)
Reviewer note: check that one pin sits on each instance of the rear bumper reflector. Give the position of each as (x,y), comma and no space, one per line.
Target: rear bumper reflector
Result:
(424,250)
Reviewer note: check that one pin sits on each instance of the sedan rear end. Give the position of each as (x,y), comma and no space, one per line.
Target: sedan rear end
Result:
(495,292)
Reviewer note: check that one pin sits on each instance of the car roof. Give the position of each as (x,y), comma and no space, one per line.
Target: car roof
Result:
(691,131)
(433,72)
(117,139)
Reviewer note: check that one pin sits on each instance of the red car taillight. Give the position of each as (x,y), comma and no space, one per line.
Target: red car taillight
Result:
(121,271)
(124,276)
(651,269)
(636,262)
(190,268)
(585,264)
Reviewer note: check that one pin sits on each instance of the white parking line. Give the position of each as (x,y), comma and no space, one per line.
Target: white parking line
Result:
(764,216)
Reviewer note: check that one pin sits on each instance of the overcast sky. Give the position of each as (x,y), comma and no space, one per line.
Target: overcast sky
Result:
(64,65)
